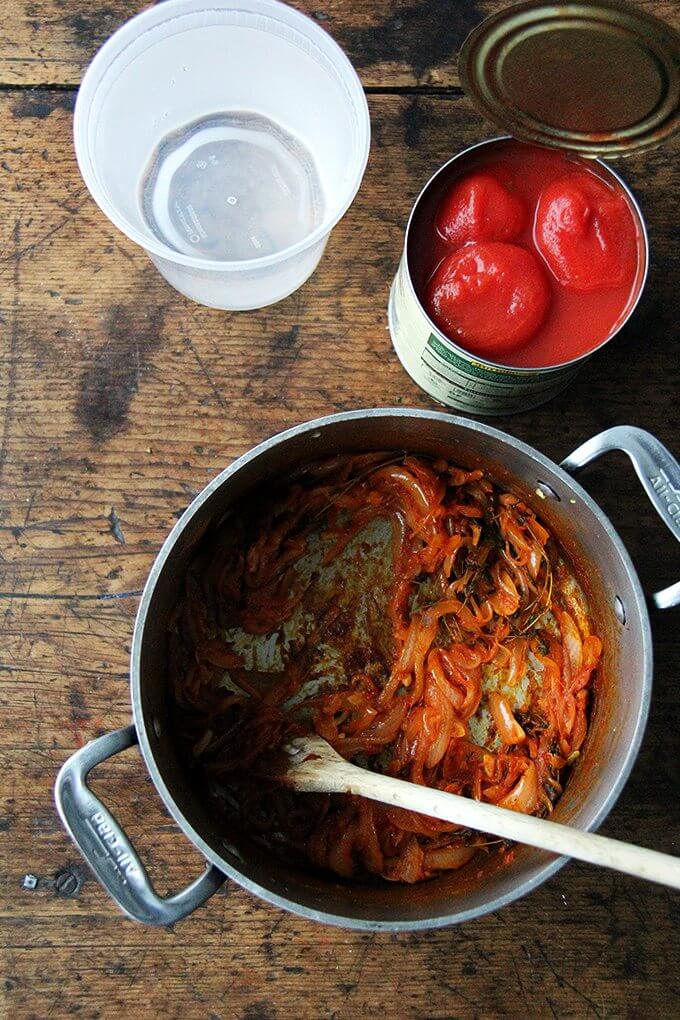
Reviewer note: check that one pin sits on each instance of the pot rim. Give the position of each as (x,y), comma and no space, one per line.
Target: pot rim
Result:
(165,553)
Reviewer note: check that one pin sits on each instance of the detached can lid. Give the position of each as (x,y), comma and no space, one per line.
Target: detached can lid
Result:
(601,79)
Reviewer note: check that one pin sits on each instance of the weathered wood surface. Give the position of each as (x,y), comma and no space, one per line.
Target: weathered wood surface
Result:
(395,43)
(118,401)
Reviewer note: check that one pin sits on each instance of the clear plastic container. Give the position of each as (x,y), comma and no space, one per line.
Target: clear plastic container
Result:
(206,132)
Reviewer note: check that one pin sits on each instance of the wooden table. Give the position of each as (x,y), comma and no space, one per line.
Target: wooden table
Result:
(120,400)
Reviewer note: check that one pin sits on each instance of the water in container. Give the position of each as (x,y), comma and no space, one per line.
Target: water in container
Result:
(232,186)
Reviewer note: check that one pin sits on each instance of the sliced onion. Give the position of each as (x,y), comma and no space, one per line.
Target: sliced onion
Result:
(405,661)
(448,858)
(367,840)
(218,654)
(438,675)
(446,726)
(571,640)
(409,866)
(524,794)
(399,476)
(513,534)
(201,744)
(473,694)
(592,651)
(509,730)
(340,857)
(386,726)
(534,564)
(505,600)
(467,659)
(518,661)
(447,607)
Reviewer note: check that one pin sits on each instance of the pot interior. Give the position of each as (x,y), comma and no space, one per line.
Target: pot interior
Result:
(618,708)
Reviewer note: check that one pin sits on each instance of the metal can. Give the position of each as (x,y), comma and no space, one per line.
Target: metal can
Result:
(596,79)
(454,376)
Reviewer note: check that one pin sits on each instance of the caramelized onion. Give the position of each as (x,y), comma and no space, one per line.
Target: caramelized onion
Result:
(524,795)
(473,596)
(509,730)
(571,640)
(448,858)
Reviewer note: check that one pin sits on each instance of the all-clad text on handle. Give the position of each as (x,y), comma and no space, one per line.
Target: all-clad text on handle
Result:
(658,471)
(107,849)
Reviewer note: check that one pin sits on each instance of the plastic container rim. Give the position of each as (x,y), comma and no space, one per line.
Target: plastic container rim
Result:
(131,30)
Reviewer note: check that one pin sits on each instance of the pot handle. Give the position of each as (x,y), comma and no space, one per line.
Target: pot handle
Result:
(107,849)
(658,471)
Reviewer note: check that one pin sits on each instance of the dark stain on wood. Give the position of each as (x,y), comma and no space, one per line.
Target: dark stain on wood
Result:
(421,36)
(271,376)
(91,29)
(261,1010)
(113,375)
(78,708)
(115,526)
(414,119)
(286,340)
(268,949)
(40,103)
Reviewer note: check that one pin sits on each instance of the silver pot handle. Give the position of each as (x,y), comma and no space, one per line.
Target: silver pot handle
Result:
(658,471)
(107,849)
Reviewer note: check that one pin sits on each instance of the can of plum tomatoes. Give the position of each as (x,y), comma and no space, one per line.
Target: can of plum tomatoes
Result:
(526,254)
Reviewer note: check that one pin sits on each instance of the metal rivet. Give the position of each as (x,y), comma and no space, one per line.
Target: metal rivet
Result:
(29,881)
(316,435)
(67,883)
(155,722)
(546,491)
(619,610)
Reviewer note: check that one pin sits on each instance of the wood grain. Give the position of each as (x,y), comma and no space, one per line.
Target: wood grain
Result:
(118,401)
(401,43)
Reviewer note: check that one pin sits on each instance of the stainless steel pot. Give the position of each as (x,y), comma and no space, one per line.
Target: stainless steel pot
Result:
(619,711)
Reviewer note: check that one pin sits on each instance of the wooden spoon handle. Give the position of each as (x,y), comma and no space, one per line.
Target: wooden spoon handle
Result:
(343,777)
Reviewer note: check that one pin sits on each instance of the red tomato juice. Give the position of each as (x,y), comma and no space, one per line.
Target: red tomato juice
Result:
(605,262)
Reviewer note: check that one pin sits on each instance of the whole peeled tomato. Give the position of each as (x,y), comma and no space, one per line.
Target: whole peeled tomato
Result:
(480,208)
(586,233)
(491,296)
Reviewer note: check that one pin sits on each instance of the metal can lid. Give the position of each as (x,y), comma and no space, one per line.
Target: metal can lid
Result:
(601,79)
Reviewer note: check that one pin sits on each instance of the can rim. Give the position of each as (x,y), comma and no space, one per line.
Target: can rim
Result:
(527,370)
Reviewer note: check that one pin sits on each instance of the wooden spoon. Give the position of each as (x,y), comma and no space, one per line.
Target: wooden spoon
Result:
(312,766)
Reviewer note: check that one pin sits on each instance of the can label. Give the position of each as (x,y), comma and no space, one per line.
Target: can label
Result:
(454,377)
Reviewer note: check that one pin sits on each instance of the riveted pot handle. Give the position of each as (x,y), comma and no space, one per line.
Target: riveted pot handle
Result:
(658,471)
(107,849)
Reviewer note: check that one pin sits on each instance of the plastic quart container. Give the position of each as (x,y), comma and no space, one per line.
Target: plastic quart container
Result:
(227,141)
(566,82)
